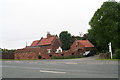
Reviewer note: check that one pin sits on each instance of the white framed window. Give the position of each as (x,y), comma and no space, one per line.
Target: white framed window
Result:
(49,50)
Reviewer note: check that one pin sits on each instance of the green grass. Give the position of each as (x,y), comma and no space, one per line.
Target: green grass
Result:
(109,59)
(66,57)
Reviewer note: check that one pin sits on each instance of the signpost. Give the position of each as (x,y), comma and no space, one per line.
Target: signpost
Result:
(110,49)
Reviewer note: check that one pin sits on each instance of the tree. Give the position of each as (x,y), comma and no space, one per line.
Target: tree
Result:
(8,50)
(76,38)
(105,25)
(85,36)
(66,40)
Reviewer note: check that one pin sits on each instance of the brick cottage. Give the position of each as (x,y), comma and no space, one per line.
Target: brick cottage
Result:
(82,47)
(48,47)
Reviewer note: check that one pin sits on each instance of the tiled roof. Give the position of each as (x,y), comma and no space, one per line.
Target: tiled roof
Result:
(43,41)
(46,41)
(86,43)
(35,43)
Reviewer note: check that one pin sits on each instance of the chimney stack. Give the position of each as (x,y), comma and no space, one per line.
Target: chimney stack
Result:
(48,35)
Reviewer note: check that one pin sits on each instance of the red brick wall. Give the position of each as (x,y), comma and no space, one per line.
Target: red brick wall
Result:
(34,55)
(55,44)
(8,55)
(28,55)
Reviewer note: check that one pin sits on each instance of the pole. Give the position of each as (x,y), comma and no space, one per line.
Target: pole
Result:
(110,49)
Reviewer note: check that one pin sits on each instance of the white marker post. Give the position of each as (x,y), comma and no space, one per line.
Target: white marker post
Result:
(110,49)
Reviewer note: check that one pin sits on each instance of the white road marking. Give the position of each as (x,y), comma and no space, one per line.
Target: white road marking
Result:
(8,61)
(52,71)
(70,63)
(33,62)
(18,61)
(50,63)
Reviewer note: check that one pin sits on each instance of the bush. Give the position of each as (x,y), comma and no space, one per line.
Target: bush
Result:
(104,55)
(117,54)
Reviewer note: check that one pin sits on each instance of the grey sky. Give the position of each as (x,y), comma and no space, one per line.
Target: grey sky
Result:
(27,20)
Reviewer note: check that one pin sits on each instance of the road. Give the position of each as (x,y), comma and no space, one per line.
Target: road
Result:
(67,68)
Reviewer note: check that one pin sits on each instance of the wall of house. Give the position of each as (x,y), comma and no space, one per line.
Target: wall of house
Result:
(77,46)
(55,45)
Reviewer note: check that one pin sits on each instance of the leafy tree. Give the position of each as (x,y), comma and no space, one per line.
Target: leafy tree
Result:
(76,37)
(7,50)
(85,36)
(66,40)
(105,26)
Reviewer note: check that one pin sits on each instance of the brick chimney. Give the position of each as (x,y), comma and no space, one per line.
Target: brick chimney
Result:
(48,35)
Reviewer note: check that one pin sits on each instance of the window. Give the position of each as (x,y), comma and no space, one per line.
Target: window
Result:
(72,53)
(62,54)
(59,51)
(50,55)
(76,45)
(49,50)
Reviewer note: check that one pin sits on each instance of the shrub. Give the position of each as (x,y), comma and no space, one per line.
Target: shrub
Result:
(104,55)
(117,54)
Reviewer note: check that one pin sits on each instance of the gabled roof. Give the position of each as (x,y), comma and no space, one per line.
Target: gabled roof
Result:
(46,41)
(43,41)
(86,43)
(35,43)
(50,39)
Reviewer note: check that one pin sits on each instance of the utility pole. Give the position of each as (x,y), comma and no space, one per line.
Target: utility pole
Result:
(110,49)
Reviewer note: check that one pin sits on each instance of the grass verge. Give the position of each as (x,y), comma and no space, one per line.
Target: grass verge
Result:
(66,57)
(109,59)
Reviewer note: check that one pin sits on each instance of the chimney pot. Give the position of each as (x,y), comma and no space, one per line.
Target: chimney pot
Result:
(48,35)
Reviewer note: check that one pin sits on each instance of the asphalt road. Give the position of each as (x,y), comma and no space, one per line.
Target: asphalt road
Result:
(69,68)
